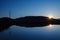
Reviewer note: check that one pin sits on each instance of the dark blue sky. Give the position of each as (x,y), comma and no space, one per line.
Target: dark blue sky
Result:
(19,8)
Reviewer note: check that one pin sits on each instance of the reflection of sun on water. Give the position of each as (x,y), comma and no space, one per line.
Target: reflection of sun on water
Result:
(50,17)
(50,25)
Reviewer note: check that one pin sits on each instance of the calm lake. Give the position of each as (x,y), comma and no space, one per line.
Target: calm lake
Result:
(51,32)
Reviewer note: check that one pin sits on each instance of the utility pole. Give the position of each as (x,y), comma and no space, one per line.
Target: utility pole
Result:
(10,32)
(10,14)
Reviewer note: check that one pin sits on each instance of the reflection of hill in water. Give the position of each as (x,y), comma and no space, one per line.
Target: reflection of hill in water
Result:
(28,21)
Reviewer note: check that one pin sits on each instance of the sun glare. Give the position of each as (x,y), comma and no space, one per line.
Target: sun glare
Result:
(50,17)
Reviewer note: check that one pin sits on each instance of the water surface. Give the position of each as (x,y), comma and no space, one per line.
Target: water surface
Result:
(37,33)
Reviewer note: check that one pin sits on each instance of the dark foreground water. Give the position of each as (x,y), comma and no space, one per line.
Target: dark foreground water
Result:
(37,33)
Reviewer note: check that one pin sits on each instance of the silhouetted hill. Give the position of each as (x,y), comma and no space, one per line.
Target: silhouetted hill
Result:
(5,23)
(32,21)
(28,21)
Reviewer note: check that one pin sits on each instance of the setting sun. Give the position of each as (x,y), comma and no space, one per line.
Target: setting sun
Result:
(50,17)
